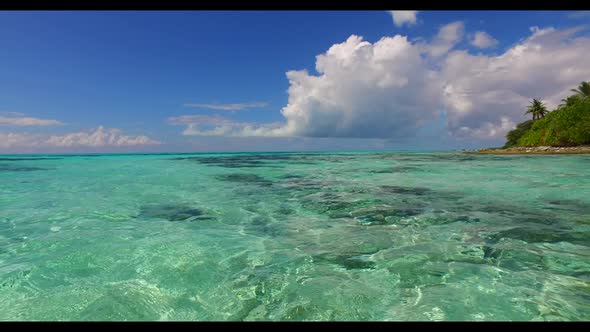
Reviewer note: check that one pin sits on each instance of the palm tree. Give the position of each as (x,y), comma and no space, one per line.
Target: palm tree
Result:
(583,90)
(537,109)
(568,101)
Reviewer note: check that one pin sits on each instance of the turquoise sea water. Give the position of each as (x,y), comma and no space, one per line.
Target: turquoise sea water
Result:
(295,236)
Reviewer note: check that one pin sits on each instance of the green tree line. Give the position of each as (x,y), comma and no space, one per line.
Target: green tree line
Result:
(568,125)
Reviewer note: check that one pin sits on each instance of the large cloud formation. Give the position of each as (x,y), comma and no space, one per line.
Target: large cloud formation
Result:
(97,138)
(393,87)
(363,90)
(486,95)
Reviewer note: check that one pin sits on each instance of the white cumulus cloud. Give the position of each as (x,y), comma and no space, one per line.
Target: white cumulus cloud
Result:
(401,17)
(17,140)
(99,137)
(389,88)
(396,88)
(482,39)
(363,90)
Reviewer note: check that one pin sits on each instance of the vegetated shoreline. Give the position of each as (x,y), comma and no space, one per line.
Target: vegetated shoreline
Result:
(582,149)
(566,130)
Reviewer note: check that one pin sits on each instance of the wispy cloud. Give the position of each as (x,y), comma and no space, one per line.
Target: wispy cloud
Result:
(26,121)
(229,107)
(204,125)
(12,113)
(579,14)
(199,119)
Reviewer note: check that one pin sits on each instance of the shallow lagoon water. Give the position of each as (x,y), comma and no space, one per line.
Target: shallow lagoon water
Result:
(295,236)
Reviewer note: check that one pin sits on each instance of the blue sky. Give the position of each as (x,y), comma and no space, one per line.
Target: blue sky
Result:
(133,73)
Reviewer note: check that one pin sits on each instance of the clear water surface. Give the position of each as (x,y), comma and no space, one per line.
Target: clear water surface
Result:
(295,236)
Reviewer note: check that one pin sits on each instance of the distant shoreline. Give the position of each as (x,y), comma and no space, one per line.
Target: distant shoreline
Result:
(546,150)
